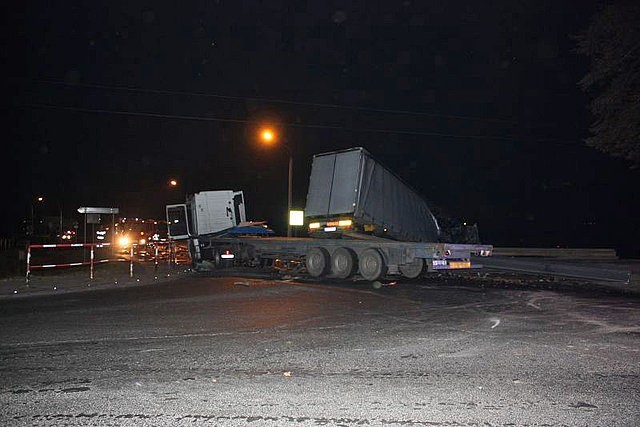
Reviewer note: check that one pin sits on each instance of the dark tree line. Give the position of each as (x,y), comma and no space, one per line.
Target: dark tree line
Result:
(612,43)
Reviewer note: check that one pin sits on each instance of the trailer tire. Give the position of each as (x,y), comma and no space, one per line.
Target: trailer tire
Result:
(318,262)
(372,265)
(344,263)
(413,269)
(192,254)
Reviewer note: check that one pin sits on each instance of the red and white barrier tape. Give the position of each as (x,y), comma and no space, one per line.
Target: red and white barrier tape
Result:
(69,264)
(70,245)
(92,261)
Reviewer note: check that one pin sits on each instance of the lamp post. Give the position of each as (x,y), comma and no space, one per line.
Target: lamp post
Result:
(289,186)
(39,199)
(174,191)
(268,137)
(173,183)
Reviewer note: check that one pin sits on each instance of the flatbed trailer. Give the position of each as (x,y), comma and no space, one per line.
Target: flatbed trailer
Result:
(368,257)
(362,219)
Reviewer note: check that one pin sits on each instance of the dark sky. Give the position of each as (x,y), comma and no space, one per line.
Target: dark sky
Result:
(475,104)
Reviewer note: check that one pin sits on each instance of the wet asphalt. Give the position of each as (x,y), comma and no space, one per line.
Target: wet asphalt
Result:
(442,351)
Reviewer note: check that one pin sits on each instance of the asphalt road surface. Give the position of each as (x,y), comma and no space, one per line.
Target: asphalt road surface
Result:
(249,351)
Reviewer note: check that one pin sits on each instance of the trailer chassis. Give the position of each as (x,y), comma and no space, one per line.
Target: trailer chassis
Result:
(371,259)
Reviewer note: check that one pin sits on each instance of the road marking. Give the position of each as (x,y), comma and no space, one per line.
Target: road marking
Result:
(531,304)
(127,339)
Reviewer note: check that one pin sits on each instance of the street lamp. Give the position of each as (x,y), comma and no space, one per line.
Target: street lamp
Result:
(173,183)
(39,199)
(268,137)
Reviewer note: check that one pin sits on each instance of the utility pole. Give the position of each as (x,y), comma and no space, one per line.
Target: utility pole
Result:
(289,194)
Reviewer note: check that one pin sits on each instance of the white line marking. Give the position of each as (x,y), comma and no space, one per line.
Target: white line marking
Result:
(125,339)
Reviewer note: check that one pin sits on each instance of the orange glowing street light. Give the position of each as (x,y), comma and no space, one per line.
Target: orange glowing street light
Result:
(267,136)
(173,183)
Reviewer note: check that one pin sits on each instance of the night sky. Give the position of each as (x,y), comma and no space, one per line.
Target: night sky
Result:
(474,104)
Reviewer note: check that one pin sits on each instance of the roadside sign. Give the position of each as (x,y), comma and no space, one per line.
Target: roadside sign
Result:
(296,217)
(88,210)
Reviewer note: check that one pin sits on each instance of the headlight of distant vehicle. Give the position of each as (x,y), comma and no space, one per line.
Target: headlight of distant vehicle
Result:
(124,241)
(142,241)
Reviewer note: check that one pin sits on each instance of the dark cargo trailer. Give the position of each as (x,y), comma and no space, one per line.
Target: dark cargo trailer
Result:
(349,191)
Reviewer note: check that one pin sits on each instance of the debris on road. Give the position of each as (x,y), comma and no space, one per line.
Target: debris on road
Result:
(377,284)
(496,322)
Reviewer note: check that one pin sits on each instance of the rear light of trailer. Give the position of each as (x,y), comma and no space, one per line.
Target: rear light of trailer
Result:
(227,255)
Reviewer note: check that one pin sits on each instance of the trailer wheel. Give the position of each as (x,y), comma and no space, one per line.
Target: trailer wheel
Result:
(192,254)
(413,269)
(372,265)
(344,263)
(317,262)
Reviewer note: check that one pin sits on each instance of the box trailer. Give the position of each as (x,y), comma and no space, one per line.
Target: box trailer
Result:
(349,191)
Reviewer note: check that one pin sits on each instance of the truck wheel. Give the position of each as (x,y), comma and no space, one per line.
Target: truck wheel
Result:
(344,263)
(372,265)
(192,254)
(317,262)
(413,269)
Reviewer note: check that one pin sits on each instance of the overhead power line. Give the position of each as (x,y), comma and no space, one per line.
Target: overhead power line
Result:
(296,125)
(276,101)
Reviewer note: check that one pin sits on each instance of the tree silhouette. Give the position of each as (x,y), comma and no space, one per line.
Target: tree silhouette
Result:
(612,42)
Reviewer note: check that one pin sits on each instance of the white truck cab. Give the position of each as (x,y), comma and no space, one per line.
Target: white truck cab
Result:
(206,212)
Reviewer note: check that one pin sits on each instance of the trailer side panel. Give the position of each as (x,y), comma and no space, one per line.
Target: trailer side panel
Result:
(350,183)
